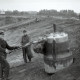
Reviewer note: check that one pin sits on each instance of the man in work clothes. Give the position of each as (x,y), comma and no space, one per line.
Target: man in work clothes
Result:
(4,69)
(25,42)
(4,64)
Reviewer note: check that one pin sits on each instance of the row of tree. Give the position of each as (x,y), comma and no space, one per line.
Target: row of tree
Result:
(16,12)
(67,13)
(58,13)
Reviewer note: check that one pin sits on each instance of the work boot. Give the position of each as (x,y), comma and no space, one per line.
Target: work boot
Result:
(7,79)
(4,79)
(25,61)
(30,60)
(50,74)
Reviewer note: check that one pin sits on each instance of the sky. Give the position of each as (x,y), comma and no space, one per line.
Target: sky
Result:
(37,5)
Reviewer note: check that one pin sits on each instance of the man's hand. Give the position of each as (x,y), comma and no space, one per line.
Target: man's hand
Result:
(16,47)
(27,44)
(8,51)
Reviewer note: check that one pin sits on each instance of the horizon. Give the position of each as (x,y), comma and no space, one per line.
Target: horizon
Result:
(39,10)
(37,5)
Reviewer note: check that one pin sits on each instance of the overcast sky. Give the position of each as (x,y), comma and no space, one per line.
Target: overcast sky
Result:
(36,5)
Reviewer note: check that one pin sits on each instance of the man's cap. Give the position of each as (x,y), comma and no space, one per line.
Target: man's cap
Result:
(24,31)
(1,32)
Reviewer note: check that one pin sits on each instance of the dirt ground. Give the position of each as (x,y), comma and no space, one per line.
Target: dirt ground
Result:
(35,70)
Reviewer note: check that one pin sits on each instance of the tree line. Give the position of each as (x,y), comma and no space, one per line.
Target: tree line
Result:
(66,13)
(16,12)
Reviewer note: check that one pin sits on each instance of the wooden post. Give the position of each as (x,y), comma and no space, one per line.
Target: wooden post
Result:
(54,27)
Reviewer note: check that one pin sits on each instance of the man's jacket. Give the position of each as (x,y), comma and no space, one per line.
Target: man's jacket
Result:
(25,40)
(3,46)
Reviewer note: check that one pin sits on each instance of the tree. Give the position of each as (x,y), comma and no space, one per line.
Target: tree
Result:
(8,12)
(15,12)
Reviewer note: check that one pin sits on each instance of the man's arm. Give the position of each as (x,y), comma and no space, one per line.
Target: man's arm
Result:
(11,47)
(2,49)
(21,41)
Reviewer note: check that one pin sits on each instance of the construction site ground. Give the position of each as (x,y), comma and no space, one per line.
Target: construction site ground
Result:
(34,70)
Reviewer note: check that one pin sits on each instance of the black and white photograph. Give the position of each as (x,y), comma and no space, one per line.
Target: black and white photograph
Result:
(39,39)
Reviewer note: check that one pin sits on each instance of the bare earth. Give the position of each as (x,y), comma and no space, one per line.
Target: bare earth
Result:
(35,70)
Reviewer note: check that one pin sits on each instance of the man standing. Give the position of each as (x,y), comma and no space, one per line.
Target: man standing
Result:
(25,42)
(4,64)
(4,67)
